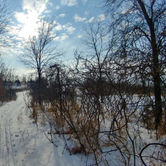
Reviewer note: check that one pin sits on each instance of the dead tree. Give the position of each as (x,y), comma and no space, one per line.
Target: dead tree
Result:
(139,26)
(41,51)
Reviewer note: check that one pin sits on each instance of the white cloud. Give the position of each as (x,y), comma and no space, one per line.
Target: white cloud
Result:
(62,15)
(101,17)
(57,7)
(30,23)
(31,15)
(67,25)
(90,20)
(27,5)
(84,1)
(21,17)
(40,6)
(79,36)
(58,27)
(69,2)
(48,11)
(78,19)
(22,71)
(72,2)
(56,38)
(31,5)
(86,13)
(69,28)
(64,2)
(63,37)
(51,4)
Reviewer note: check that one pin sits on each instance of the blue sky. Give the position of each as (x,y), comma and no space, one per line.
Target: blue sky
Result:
(70,16)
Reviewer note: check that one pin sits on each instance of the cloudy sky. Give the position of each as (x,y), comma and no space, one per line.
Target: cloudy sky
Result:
(71,16)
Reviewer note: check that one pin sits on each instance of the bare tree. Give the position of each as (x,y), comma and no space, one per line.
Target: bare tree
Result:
(104,119)
(7,92)
(5,23)
(119,61)
(98,119)
(105,92)
(7,34)
(40,51)
(140,28)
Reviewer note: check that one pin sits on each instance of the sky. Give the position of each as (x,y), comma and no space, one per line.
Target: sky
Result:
(70,15)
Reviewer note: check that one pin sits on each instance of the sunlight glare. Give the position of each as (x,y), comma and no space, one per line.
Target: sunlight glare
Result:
(31,23)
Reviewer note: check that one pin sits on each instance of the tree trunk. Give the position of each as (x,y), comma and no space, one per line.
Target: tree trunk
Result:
(39,87)
(157,86)
(155,68)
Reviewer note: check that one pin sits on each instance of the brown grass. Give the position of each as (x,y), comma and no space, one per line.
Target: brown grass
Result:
(76,150)
(79,126)
(162,127)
